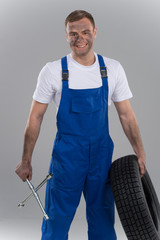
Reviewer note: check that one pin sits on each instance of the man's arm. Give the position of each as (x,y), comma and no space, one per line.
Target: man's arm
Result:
(130,127)
(24,168)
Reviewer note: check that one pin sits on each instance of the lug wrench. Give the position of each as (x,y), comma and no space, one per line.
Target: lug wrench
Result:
(37,198)
(49,176)
(36,194)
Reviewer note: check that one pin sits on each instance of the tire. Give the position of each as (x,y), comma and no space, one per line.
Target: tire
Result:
(135,199)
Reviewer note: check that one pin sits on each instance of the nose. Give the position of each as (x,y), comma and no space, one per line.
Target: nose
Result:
(80,38)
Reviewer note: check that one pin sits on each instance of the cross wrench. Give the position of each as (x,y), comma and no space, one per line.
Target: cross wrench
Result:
(33,193)
(49,176)
(37,198)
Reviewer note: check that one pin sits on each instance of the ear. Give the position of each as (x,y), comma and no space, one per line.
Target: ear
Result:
(67,37)
(95,32)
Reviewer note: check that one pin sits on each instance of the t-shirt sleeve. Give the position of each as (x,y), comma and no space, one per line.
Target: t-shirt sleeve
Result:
(122,90)
(44,91)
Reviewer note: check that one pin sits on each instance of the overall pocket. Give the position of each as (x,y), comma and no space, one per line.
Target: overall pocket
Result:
(86,104)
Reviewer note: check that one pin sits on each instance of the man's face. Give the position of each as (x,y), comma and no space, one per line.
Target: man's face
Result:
(80,36)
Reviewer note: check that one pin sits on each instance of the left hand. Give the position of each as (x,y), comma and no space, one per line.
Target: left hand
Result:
(142,165)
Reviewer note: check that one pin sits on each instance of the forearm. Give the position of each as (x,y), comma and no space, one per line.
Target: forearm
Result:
(24,168)
(30,137)
(130,127)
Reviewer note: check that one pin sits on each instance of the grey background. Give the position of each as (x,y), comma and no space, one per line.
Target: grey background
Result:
(31,34)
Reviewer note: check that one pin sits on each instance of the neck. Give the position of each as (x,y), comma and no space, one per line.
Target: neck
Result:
(85,60)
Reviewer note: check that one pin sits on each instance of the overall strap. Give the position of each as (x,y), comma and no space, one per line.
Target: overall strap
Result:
(65,73)
(103,69)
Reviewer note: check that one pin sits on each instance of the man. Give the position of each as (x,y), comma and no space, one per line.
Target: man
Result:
(82,86)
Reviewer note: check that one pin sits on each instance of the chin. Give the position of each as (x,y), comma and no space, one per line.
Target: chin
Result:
(81,53)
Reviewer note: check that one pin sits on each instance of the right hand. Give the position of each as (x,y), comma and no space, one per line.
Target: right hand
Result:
(24,170)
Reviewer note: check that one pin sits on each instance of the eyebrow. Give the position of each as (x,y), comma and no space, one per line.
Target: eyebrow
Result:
(86,30)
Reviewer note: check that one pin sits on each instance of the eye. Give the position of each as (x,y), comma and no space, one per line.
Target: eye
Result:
(85,32)
(73,34)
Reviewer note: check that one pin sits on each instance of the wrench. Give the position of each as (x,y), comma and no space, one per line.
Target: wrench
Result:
(49,176)
(37,198)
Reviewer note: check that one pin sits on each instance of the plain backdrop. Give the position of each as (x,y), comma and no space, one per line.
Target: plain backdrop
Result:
(32,34)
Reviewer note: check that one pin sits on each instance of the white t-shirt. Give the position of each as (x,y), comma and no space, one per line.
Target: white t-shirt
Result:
(49,84)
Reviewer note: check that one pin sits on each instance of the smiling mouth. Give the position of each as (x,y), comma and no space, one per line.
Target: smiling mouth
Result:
(81,45)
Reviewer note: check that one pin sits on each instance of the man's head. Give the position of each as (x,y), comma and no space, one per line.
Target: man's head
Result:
(80,32)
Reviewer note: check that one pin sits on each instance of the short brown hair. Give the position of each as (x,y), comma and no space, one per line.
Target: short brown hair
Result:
(78,15)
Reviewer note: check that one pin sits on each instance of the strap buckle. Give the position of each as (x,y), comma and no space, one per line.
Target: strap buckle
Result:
(65,75)
(103,71)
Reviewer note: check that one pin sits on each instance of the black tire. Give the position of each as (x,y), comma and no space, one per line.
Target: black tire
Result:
(135,199)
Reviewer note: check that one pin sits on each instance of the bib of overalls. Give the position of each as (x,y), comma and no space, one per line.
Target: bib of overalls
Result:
(83,112)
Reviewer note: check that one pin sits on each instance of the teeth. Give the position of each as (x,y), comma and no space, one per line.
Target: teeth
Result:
(81,46)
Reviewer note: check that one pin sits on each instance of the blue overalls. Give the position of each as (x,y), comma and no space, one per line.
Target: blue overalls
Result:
(81,159)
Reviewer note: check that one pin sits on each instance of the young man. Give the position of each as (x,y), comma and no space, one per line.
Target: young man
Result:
(82,89)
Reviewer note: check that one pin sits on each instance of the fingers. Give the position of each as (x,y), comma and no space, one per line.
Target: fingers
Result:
(23,175)
(30,175)
(142,168)
(24,171)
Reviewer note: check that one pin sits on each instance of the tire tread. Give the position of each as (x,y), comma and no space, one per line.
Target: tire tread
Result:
(130,200)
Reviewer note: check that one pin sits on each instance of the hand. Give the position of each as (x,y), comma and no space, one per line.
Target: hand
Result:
(142,165)
(24,170)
